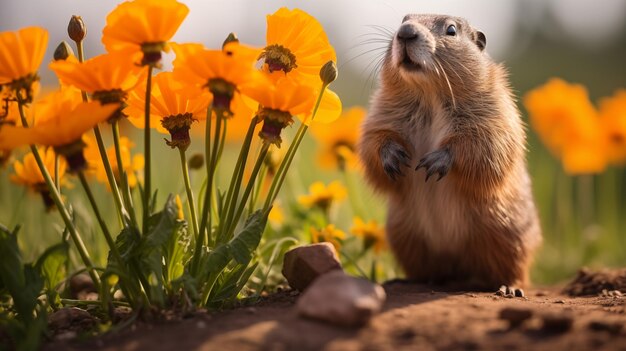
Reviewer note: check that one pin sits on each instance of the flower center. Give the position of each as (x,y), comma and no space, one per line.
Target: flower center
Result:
(343,151)
(278,58)
(223,92)
(274,121)
(24,84)
(152,53)
(73,153)
(178,126)
(112,97)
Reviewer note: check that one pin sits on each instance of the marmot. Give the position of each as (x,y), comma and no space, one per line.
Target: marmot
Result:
(444,106)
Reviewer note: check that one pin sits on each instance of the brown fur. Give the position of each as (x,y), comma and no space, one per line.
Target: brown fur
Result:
(478,223)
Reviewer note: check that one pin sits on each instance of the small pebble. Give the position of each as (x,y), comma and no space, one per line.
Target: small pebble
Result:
(515,316)
(611,327)
(560,301)
(65,336)
(557,323)
(200,325)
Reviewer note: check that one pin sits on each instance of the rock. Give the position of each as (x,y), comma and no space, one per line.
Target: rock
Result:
(557,323)
(611,327)
(340,299)
(304,264)
(71,318)
(515,316)
(80,285)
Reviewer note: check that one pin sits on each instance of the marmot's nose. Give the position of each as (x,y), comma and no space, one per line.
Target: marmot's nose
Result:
(407,32)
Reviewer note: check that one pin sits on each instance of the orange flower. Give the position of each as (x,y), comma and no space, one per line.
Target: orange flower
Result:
(279,103)
(143,26)
(339,139)
(297,48)
(613,119)
(21,53)
(95,166)
(27,173)
(568,124)
(323,196)
(372,234)
(101,74)
(60,120)
(328,234)
(296,44)
(226,73)
(173,107)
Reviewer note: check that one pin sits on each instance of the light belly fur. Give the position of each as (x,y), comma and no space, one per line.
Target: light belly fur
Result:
(433,209)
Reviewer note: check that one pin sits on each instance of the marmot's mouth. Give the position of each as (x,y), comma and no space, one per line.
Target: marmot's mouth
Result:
(409,64)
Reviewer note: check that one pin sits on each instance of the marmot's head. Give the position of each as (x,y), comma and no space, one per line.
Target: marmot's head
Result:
(429,49)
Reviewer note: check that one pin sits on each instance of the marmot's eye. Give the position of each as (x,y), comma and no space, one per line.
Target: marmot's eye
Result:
(451,30)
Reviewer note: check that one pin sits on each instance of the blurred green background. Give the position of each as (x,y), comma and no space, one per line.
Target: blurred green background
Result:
(583,217)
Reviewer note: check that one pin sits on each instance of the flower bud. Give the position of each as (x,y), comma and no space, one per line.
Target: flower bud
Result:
(196,161)
(231,38)
(328,73)
(76,29)
(63,51)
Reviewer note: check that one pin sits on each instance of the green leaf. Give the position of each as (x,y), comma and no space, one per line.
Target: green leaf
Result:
(22,281)
(246,242)
(176,254)
(233,283)
(162,227)
(52,265)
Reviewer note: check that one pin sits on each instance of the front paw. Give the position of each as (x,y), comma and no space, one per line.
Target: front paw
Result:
(438,161)
(394,158)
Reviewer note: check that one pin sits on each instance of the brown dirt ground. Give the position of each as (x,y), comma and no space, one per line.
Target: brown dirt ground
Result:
(415,317)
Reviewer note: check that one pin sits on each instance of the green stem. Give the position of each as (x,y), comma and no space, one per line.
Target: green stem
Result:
(81,58)
(352,194)
(235,183)
(57,180)
(147,190)
(101,222)
(242,204)
(190,200)
(206,206)
(110,176)
(352,262)
(258,187)
(278,180)
(105,230)
(205,221)
(103,153)
(118,151)
(56,197)
(281,173)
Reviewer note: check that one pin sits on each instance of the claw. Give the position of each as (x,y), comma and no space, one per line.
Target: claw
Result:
(438,161)
(394,156)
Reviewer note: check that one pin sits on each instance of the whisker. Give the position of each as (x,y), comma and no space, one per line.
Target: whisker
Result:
(376,62)
(375,72)
(445,75)
(382,29)
(362,54)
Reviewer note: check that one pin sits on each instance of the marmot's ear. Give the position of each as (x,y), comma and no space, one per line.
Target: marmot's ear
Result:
(480,40)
